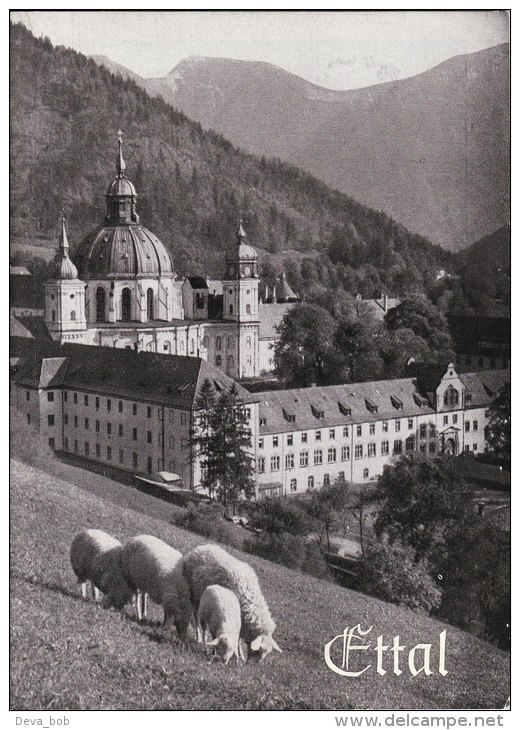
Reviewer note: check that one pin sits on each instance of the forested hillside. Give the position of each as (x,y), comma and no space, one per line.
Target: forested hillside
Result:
(192,185)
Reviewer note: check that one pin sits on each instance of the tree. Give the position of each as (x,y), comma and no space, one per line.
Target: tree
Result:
(223,443)
(276,515)
(358,344)
(304,352)
(420,499)
(498,430)
(425,320)
(326,507)
(476,579)
(389,570)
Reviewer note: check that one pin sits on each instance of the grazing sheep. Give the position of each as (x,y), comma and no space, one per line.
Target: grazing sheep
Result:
(146,561)
(209,565)
(110,579)
(219,615)
(86,547)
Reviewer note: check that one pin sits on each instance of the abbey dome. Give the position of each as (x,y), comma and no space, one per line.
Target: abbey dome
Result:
(122,251)
(121,247)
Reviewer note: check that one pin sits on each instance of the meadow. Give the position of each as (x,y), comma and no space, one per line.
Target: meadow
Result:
(68,653)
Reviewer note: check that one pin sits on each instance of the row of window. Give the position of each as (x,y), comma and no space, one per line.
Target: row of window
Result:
(51,421)
(120,406)
(109,454)
(293,484)
(332,454)
(467,426)
(423,432)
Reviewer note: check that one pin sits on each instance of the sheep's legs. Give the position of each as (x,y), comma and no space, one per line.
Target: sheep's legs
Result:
(97,593)
(84,589)
(145,604)
(139,606)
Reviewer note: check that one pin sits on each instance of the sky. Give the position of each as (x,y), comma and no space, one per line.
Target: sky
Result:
(337,50)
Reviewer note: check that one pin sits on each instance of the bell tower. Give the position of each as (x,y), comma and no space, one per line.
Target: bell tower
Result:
(65,298)
(241,302)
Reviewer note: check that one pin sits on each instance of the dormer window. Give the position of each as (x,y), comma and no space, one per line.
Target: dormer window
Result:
(344,409)
(451,396)
(317,413)
(370,406)
(290,417)
(396,402)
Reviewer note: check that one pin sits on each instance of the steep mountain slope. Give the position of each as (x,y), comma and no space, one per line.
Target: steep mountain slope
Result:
(432,150)
(192,185)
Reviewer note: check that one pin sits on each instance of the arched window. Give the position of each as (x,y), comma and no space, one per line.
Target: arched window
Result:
(218,361)
(73,316)
(230,362)
(100,304)
(126,305)
(248,343)
(310,483)
(181,346)
(218,343)
(248,360)
(451,396)
(248,309)
(192,346)
(231,309)
(149,304)
(53,315)
(199,298)
(326,480)
(230,343)
(205,341)
(365,473)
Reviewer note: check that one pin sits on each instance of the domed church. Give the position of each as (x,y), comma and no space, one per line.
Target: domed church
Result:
(121,291)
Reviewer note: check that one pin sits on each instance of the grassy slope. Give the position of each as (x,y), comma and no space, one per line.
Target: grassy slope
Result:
(71,654)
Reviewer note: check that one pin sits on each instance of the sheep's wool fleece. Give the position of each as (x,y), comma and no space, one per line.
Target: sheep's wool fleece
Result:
(146,561)
(210,564)
(86,547)
(219,611)
(110,579)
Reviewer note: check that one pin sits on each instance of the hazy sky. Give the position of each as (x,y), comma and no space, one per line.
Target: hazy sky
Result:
(342,50)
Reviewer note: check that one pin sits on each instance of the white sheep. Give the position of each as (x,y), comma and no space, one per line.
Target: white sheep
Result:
(219,616)
(146,563)
(209,565)
(86,547)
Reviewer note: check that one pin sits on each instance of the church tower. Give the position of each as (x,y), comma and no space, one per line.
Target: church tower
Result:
(65,298)
(241,302)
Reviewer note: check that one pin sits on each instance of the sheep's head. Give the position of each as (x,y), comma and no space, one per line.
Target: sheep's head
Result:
(263,645)
(225,647)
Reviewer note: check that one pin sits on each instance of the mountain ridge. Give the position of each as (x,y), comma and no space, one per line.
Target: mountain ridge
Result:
(431,150)
(192,185)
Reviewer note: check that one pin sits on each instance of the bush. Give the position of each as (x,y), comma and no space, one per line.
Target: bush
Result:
(389,571)
(208,520)
(290,550)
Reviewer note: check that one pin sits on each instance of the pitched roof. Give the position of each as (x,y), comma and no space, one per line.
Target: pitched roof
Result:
(17,329)
(270,316)
(336,405)
(197,282)
(484,386)
(168,380)
(36,326)
(376,306)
